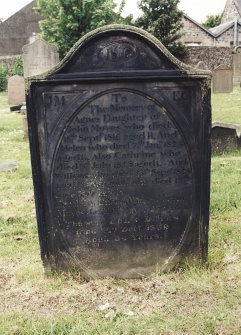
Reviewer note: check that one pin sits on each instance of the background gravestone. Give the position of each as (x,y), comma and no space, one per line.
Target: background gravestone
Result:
(16,90)
(120,148)
(222,80)
(237,65)
(225,137)
(39,57)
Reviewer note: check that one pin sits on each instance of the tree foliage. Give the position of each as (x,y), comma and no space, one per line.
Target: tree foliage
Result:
(65,21)
(212,21)
(163,19)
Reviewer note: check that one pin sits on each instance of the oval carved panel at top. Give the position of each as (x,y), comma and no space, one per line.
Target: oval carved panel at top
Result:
(120,51)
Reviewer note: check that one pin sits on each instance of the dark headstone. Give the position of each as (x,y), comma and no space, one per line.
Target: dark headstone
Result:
(120,147)
(225,137)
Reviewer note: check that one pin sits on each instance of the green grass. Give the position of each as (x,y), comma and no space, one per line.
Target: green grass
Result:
(226,183)
(226,107)
(192,301)
(4,101)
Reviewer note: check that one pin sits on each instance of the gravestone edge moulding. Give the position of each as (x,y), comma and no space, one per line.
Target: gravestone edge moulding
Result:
(120,148)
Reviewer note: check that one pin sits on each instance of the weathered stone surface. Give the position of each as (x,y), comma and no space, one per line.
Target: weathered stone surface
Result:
(222,80)
(120,146)
(201,66)
(39,57)
(8,166)
(211,56)
(16,90)
(225,137)
(231,10)
(237,66)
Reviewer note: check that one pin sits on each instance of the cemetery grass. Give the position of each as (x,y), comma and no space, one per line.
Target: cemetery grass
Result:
(194,300)
(226,107)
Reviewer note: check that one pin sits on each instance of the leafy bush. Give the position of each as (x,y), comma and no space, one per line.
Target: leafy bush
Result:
(3,77)
(18,67)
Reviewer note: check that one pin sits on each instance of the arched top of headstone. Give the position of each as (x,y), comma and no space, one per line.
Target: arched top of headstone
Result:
(16,77)
(222,67)
(119,50)
(237,50)
(39,57)
(41,44)
(201,66)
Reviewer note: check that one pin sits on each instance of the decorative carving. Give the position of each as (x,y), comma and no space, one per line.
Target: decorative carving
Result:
(119,51)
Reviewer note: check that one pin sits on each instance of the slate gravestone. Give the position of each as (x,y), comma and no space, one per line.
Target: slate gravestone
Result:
(120,147)
(237,66)
(16,90)
(222,80)
(225,137)
(39,57)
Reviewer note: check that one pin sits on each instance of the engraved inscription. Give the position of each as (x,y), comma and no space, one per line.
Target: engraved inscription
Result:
(118,51)
(122,174)
(55,104)
(54,100)
(180,95)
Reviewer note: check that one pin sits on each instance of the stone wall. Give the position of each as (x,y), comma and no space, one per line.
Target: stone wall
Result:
(211,56)
(18,29)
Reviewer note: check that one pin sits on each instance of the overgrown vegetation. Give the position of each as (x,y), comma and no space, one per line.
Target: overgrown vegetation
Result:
(66,21)
(163,19)
(17,67)
(6,72)
(212,21)
(3,77)
(191,301)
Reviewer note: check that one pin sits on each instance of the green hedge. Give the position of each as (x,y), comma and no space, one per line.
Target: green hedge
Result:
(17,69)
(3,77)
